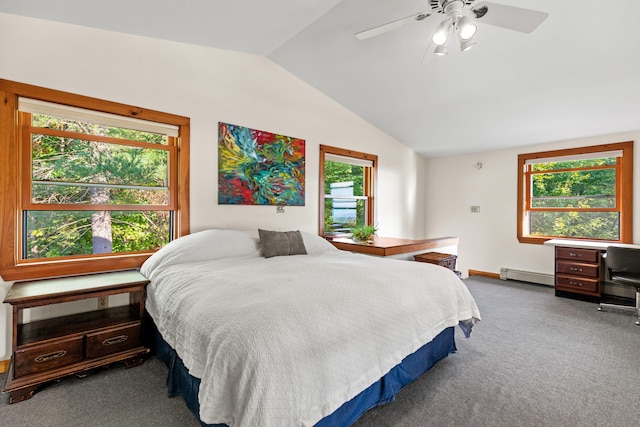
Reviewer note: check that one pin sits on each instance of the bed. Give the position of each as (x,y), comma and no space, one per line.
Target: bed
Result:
(260,332)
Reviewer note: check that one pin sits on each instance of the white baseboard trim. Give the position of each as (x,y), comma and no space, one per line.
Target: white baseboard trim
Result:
(526,276)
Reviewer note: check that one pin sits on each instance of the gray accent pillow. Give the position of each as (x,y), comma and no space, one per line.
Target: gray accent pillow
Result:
(280,243)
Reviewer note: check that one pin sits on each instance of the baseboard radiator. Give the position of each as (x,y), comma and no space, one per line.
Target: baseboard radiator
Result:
(526,276)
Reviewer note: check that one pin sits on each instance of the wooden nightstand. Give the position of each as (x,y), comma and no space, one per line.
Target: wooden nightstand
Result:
(46,350)
(444,260)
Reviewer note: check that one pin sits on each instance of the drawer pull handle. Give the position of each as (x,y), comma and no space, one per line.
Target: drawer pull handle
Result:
(574,254)
(50,356)
(576,283)
(575,268)
(115,340)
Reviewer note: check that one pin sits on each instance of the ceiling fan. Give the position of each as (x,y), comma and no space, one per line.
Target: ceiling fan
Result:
(460,16)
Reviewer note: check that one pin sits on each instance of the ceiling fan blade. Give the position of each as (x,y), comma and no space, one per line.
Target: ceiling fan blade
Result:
(428,54)
(511,17)
(381,29)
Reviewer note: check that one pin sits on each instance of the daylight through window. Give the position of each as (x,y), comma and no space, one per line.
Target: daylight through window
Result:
(98,186)
(346,189)
(579,193)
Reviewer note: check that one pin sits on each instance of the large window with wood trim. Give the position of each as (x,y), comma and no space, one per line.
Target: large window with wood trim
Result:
(91,185)
(581,193)
(347,187)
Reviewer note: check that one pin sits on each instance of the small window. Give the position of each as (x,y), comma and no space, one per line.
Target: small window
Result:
(346,189)
(95,191)
(578,193)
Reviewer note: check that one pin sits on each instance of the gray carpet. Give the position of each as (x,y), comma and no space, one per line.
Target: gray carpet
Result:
(534,360)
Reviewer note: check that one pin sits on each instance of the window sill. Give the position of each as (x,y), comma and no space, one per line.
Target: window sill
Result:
(48,269)
(542,240)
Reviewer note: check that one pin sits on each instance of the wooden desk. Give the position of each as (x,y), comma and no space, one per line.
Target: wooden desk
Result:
(580,268)
(588,244)
(387,246)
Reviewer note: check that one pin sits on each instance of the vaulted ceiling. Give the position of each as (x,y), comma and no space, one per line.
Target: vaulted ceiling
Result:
(576,75)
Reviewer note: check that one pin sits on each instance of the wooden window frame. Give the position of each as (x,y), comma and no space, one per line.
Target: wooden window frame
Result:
(370,182)
(624,189)
(13,182)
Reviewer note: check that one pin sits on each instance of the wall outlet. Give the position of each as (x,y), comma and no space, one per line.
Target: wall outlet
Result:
(475,209)
(103,302)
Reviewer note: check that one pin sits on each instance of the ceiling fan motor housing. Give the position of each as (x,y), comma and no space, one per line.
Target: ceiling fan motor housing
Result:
(439,6)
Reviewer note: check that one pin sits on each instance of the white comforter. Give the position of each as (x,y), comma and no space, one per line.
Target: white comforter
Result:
(285,341)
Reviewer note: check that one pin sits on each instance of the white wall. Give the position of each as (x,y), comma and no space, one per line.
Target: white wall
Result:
(488,240)
(210,85)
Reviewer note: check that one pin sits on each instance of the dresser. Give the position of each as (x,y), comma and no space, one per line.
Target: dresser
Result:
(578,271)
(580,268)
(48,349)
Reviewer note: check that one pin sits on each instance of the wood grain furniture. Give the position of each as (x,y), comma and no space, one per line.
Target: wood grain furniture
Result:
(439,258)
(578,271)
(387,246)
(579,268)
(44,350)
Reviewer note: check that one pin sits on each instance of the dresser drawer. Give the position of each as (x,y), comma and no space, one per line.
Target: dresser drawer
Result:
(576,254)
(576,283)
(50,356)
(577,268)
(112,341)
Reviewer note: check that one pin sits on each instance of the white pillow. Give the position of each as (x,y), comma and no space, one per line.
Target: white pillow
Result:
(315,244)
(202,246)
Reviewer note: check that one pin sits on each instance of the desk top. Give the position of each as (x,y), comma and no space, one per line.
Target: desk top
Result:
(588,244)
(386,246)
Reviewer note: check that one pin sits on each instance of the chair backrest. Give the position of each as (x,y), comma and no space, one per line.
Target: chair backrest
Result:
(623,259)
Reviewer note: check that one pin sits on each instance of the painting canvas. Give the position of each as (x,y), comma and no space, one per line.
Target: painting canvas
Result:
(259,168)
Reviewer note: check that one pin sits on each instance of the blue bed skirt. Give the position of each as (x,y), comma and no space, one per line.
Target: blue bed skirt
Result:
(179,381)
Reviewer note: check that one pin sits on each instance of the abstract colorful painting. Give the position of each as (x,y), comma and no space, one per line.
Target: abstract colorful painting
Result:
(259,168)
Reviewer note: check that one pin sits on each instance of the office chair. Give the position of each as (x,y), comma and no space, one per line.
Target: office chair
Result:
(623,267)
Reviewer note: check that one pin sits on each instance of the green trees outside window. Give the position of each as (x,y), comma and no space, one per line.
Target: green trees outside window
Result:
(89,185)
(578,189)
(344,206)
(347,187)
(578,193)
(121,172)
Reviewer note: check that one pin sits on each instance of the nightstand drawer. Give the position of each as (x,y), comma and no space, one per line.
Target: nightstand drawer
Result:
(573,283)
(577,268)
(112,341)
(48,356)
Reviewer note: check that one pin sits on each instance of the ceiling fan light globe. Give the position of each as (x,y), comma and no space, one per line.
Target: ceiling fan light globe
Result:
(466,28)
(468,31)
(439,37)
(465,45)
(440,50)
